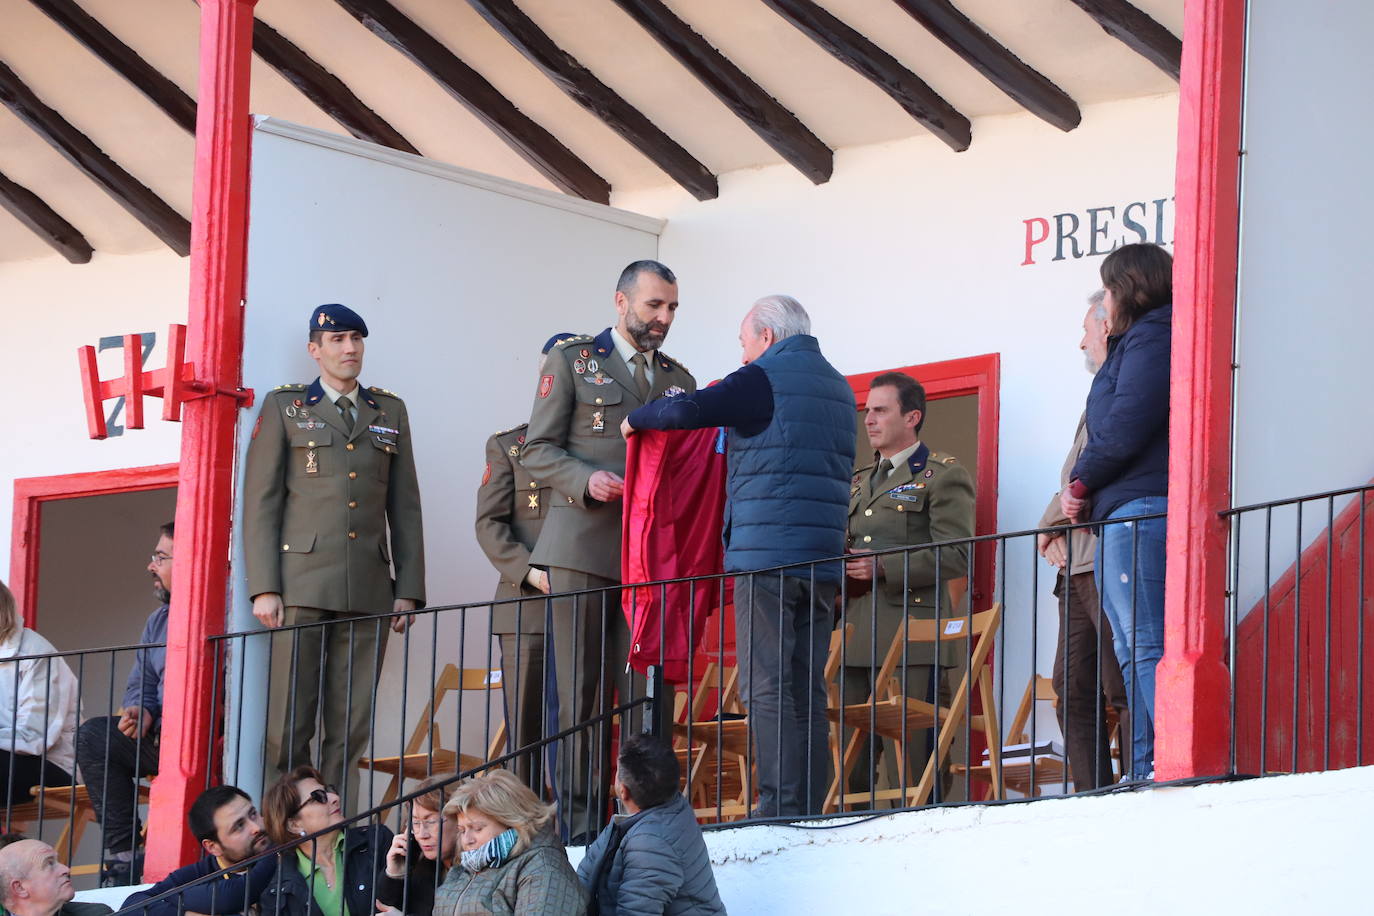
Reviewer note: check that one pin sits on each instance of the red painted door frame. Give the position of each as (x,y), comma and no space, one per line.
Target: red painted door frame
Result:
(1192,684)
(976,375)
(30,493)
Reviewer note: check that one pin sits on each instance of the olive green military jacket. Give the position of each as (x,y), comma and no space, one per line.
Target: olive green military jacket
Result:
(584,393)
(317,502)
(510,513)
(930,498)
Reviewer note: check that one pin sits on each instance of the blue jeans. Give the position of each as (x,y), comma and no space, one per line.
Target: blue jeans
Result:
(1133,599)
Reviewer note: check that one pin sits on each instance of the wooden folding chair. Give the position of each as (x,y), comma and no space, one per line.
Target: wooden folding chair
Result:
(721,773)
(891,714)
(417,764)
(57,803)
(1016,771)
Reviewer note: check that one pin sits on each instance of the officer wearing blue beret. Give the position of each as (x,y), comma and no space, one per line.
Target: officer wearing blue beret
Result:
(330,471)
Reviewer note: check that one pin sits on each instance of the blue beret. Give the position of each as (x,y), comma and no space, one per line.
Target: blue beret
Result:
(336,317)
(556,339)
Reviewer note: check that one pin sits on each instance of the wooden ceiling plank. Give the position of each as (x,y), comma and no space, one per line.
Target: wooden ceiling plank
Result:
(326,90)
(122,59)
(882,69)
(750,102)
(1138,31)
(583,87)
(144,205)
(44,221)
(1025,85)
(532,142)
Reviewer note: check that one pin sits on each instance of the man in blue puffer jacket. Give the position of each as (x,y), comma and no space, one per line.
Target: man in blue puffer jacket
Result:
(791,419)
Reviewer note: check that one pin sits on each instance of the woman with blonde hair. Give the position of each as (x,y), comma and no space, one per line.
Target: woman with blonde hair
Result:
(39,706)
(512,863)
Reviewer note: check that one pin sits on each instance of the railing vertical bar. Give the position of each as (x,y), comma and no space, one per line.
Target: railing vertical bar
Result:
(1359,636)
(1264,646)
(1326,657)
(1297,632)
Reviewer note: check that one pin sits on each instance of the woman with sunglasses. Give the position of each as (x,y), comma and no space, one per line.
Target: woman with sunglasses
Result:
(421,856)
(512,863)
(327,875)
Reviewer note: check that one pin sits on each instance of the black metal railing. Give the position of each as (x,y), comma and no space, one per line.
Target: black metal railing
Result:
(79,741)
(1298,614)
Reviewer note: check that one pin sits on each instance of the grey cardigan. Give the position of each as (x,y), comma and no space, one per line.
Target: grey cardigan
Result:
(652,862)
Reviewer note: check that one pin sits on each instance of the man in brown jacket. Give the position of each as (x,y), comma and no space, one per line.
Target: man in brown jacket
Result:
(330,470)
(511,506)
(1083,652)
(906,495)
(574,445)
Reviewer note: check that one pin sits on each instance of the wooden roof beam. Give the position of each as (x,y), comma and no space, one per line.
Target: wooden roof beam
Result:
(882,69)
(765,115)
(1138,31)
(44,221)
(326,90)
(582,86)
(1026,86)
(145,206)
(535,145)
(122,59)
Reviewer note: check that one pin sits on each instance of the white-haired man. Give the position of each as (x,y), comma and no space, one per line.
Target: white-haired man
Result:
(33,882)
(791,418)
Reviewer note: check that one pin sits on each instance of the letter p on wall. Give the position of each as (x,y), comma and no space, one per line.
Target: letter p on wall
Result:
(1032,238)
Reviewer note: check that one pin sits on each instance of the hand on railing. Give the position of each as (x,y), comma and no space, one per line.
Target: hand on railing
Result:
(402,606)
(1051,547)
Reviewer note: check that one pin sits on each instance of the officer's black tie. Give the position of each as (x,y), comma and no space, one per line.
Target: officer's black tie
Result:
(346,411)
(641,376)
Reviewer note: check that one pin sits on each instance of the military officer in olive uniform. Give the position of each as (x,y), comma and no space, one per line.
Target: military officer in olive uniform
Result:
(574,445)
(330,468)
(511,506)
(906,495)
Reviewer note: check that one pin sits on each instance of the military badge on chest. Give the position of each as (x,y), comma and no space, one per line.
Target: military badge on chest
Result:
(599,420)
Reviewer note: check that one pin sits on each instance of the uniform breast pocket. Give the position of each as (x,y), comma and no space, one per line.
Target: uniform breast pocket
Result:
(310,453)
(384,448)
(598,409)
(905,501)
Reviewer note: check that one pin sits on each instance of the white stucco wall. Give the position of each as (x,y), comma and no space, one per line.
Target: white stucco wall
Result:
(52,308)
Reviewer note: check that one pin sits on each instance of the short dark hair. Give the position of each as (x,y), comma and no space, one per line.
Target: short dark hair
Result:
(649,770)
(911,394)
(167,530)
(1140,278)
(316,335)
(201,817)
(629,277)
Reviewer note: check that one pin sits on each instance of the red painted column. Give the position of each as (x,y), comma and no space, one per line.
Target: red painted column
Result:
(1193,690)
(200,569)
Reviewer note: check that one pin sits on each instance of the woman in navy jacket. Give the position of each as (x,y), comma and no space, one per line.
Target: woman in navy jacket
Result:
(1124,472)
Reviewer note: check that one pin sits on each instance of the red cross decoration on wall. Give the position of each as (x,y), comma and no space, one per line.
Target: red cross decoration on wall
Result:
(175,383)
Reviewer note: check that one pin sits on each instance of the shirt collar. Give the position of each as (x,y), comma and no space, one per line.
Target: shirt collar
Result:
(904,455)
(627,349)
(334,395)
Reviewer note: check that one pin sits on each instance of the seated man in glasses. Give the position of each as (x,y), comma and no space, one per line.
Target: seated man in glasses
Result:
(229,828)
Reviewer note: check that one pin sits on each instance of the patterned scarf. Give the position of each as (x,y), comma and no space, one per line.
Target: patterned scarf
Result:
(491,854)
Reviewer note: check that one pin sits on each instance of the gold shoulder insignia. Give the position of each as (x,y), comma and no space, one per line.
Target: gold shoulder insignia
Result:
(950,460)
(292,387)
(568,342)
(512,429)
(390,394)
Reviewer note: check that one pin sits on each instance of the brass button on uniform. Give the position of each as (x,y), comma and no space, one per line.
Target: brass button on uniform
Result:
(286,547)
(918,600)
(868,512)
(533,484)
(901,508)
(352,475)
(868,538)
(352,535)
(311,444)
(349,446)
(352,504)
(598,400)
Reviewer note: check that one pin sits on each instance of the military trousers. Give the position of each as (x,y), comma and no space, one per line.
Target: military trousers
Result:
(591,642)
(522,683)
(856,683)
(335,657)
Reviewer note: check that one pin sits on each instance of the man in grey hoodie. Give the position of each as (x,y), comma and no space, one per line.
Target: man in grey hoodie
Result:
(651,858)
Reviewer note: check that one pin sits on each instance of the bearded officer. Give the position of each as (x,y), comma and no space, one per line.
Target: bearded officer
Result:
(905,496)
(574,445)
(330,469)
(511,506)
